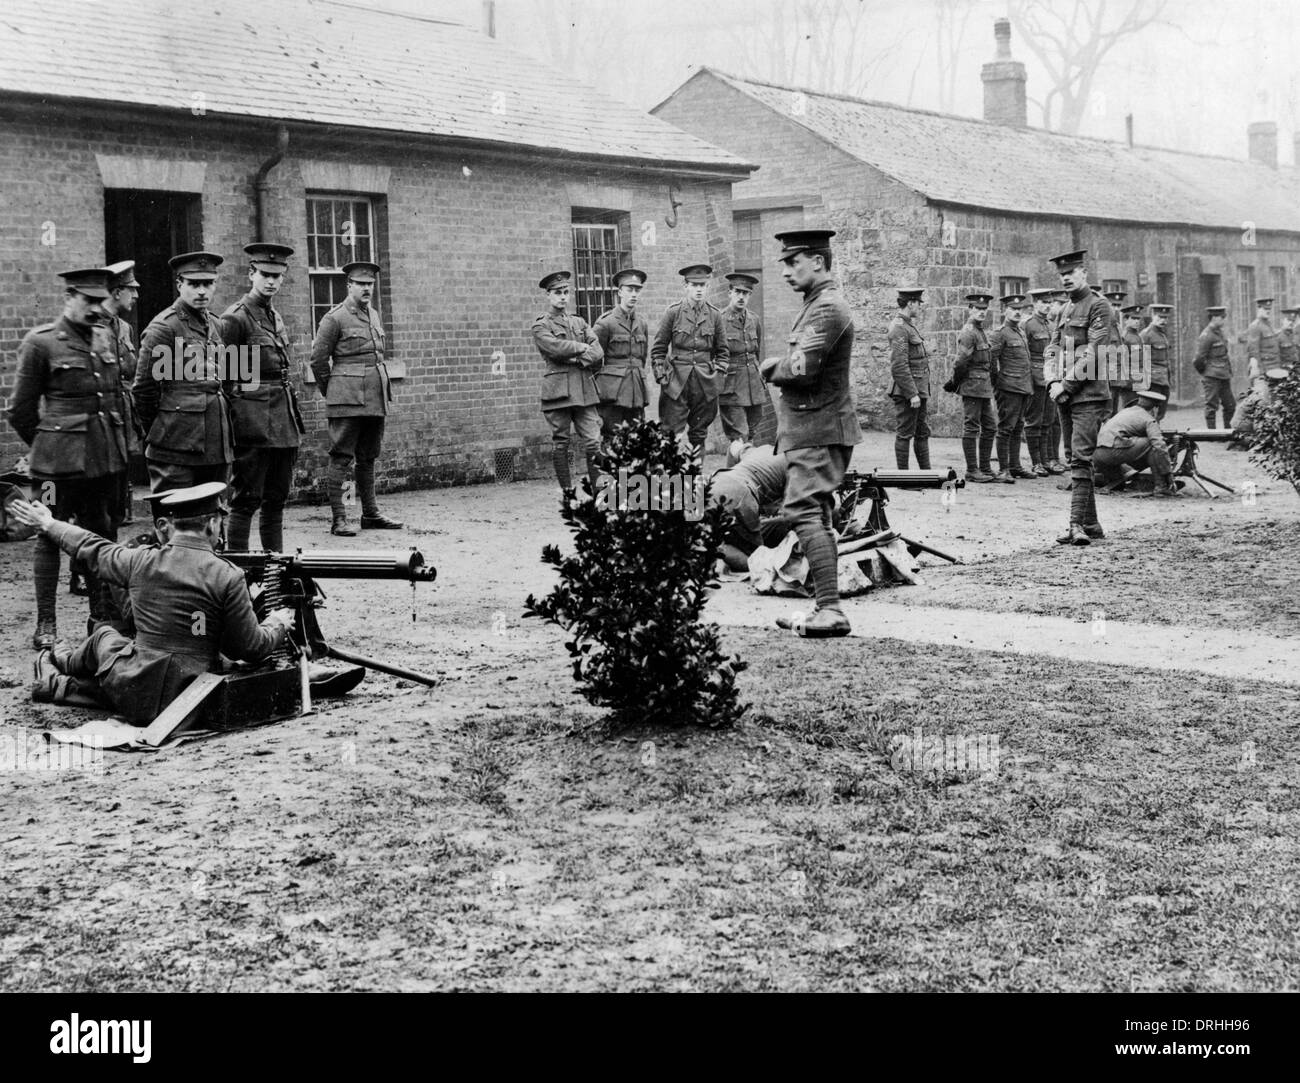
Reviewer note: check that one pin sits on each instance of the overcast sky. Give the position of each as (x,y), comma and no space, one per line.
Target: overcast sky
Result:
(1193,79)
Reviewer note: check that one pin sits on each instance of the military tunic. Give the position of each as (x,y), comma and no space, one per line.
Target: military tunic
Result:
(909,365)
(189,607)
(264,411)
(347,359)
(756,481)
(1263,349)
(743,385)
(563,341)
(625,341)
(115,334)
(183,408)
(691,339)
(1155,339)
(1131,438)
(1042,427)
(1076,357)
(1214,364)
(1288,349)
(972,370)
(67,404)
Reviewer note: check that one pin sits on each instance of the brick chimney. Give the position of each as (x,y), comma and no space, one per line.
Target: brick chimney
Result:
(1263,143)
(1004,83)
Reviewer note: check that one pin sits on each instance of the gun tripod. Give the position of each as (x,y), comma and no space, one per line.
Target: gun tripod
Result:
(1185,442)
(870,489)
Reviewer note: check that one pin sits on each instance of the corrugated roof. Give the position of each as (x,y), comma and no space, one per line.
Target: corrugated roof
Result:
(976,163)
(326,62)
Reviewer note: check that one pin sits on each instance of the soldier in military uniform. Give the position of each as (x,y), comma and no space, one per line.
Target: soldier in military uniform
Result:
(572,352)
(67,406)
(189,606)
(1079,386)
(267,423)
(1244,420)
(1126,362)
(178,390)
(690,352)
(624,338)
(1288,341)
(347,359)
(1132,439)
(743,392)
(1058,436)
(1214,366)
(119,343)
(909,364)
(972,379)
(1039,414)
(1263,344)
(1121,384)
(753,480)
(1013,386)
(817,426)
(1153,337)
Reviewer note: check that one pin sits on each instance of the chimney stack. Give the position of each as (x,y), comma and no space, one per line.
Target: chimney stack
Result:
(1262,136)
(1004,83)
(1128,130)
(490,18)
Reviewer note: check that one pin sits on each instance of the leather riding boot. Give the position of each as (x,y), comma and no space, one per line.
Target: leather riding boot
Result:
(270,528)
(334,486)
(968,446)
(922,446)
(901,448)
(560,460)
(45,576)
(366,490)
(238,527)
(986,454)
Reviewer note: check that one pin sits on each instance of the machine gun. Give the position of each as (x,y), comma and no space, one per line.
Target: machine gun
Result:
(862,498)
(1183,448)
(281,686)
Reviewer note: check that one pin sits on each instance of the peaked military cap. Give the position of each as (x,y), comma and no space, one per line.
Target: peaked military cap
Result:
(269,257)
(1061,295)
(361,270)
(630,272)
(794,241)
(1014,300)
(1043,293)
(979,300)
(696,270)
(1162,310)
(1263,302)
(1154,396)
(1114,296)
(198,265)
(196,500)
(741,281)
(1069,259)
(121,275)
(1217,310)
(1131,310)
(908,296)
(1290,311)
(555,278)
(89,281)
(1276,375)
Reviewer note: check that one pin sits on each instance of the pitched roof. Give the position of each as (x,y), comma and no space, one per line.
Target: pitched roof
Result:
(976,163)
(328,62)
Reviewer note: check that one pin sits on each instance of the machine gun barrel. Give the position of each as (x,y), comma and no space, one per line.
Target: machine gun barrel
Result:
(907,479)
(364,564)
(1207,436)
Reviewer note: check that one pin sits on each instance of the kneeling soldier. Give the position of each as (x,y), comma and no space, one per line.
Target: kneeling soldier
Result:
(1131,439)
(267,424)
(189,606)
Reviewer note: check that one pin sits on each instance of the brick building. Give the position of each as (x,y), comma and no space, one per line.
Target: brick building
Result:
(465,169)
(954,204)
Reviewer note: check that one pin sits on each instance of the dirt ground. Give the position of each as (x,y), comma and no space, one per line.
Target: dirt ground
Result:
(1136,831)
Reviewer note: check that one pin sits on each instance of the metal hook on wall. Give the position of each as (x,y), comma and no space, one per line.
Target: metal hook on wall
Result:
(675,201)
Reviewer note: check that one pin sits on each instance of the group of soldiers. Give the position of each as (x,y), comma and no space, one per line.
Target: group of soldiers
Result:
(705,360)
(206,399)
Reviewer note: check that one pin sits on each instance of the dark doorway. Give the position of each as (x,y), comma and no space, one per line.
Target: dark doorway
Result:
(1211,291)
(150,227)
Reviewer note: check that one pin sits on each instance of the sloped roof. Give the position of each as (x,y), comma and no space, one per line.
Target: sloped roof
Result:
(976,163)
(327,62)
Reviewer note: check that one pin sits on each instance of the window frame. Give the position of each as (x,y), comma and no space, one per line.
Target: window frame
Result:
(1246,290)
(745,259)
(594,267)
(333,275)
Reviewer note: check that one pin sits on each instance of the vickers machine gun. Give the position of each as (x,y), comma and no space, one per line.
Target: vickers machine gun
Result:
(281,686)
(862,499)
(1182,452)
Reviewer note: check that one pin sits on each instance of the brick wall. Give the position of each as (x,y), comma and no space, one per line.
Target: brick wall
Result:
(467,238)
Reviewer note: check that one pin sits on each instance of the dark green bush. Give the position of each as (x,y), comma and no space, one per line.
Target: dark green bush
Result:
(1276,446)
(631,594)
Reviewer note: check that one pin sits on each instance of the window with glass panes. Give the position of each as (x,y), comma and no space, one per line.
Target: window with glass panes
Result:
(1246,293)
(340,230)
(1277,276)
(601,242)
(1009,286)
(1115,285)
(749,242)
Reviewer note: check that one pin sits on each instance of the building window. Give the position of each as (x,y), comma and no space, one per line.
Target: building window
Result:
(1115,285)
(1245,292)
(1009,286)
(749,242)
(601,245)
(1277,279)
(1165,288)
(340,230)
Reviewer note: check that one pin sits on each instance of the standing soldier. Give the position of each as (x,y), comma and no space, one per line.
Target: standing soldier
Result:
(909,363)
(347,359)
(1262,345)
(817,425)
(1038,333)
(1153,337)
(267,423)
(1288,343)
(743,392)
(690,352)
(178,390)
(624,338)
(119,343)
(67,406)
(1121,385)
(1214,366)
(571,351)
(1127,366)
(1059,436)
(972,379)
(1079,387)
(1013,386)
